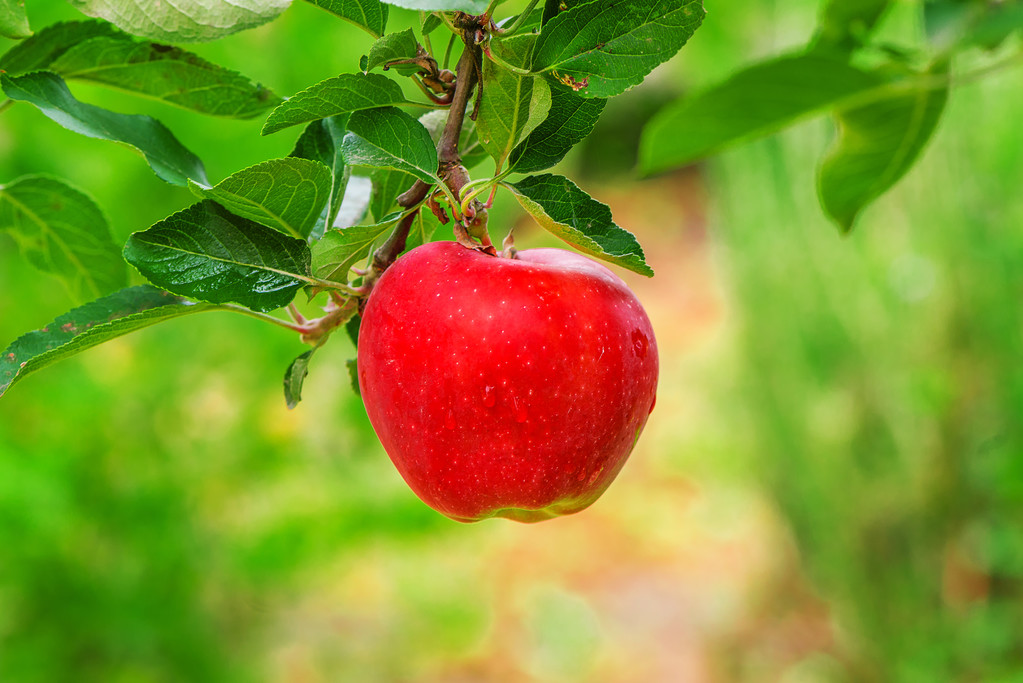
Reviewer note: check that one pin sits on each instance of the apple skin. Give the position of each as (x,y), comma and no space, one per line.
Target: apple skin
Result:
(505,387)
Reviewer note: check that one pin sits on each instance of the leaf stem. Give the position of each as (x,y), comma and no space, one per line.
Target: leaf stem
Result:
(329,284)
(447,22)
(519,21)
(263,316)
(505,65)
(480,188)
(426,36)
(489,13)
(474,184)
(447,53)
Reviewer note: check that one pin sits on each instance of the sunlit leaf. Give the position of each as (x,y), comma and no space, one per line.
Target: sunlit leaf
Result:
(207,253)
(168,157)
(321,141)
(468,6)
(339,250)
(556,203)
(39,51)
(370,15)
(757,101)
(13,20)
(950,24)
(62,231)
(846,23)
(336,96)
(394,47)
(390,138)
(166,73)
(183,21)
(877,144)
(603,48)
(570,120)
(512,104)
(285,194)
(89,325)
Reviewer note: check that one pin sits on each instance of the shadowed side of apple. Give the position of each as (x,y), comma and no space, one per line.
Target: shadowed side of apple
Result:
(506,387)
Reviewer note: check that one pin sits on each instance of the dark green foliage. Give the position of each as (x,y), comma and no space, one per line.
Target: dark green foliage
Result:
(168,157)
(86,326)
(560,206)
(206,253)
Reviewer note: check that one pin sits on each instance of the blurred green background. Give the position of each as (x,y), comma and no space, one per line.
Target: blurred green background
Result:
(830,489)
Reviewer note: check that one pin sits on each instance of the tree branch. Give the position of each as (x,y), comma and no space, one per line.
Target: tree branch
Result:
(465,81)
(451,171)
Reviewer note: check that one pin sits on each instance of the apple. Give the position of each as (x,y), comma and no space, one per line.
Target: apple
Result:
(505,387)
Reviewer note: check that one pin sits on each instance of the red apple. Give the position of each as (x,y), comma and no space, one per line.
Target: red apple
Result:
(505,387)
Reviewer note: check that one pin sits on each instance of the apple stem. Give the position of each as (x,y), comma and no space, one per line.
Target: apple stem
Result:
(508,249)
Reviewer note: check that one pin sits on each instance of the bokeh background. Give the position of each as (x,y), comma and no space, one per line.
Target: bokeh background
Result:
(830,488)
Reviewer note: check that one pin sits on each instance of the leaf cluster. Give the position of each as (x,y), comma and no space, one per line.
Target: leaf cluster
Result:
(886,99)
(522,90)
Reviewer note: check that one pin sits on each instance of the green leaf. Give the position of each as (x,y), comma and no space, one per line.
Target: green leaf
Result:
(959,25)
(62,231)
(370,15)
(531,24)
(183,21)
(878,143)
(467,6)
(207,253)
(90,325)
(848,23)
(556,203)
(393,47)
(387,185)
(39,51)
(603,48)
(758,101)
(321,141)
(353,374)
(390,138)
(13,20)
(168,157)
(339,250)
(511,105)
(165,73)
(333,97)
(285,194)
(352,329)
(431,23)
(570,120)
(294,378)
(423,227)
(551,8)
